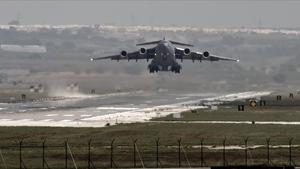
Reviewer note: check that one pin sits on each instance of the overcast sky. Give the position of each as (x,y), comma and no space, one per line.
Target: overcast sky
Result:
(201,13)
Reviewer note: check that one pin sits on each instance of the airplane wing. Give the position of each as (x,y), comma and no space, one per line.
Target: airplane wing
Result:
(137,55)
(205,56)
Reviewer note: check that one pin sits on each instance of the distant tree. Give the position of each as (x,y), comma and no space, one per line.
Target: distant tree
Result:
(35,56)
(14,22)
(50,46)
(67,45)
(279,78)
(35,41)
(232,40)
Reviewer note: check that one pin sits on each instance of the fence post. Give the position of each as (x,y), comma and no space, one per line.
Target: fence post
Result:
(268,150)
(134,153)
(112,153)
(179,152)
(224,152)
(89,153)
(157,157)
(66,154)
(20,153)
(246,151)
(201,152)
(43,146)
(290,151)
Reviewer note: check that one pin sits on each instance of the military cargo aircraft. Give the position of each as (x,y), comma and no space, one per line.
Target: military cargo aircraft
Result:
(164,55)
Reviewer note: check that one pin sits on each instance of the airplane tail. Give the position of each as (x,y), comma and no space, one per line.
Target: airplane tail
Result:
(181,44)
(148,43)
(156,42)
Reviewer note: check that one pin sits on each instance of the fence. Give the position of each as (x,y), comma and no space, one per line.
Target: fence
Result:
(91,155)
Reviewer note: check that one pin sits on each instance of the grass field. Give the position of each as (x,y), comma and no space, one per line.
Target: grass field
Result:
(191,134)
(147,133)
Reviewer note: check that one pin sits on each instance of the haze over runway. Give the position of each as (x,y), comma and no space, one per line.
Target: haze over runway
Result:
(228,13)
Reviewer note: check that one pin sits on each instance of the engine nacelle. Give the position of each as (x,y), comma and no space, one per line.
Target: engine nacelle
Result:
(206,54)
(143,51)
(186,51)
(123,53)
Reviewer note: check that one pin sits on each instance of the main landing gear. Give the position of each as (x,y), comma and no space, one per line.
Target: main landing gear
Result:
(176,69)
(153,68)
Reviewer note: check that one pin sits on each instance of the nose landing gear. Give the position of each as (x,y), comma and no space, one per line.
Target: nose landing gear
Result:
(154,68)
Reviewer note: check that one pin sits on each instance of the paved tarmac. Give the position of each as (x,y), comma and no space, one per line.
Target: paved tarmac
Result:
(98,111)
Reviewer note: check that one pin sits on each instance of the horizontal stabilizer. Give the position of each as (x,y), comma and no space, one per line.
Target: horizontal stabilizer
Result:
(173,42)
(148,43)
(182,44)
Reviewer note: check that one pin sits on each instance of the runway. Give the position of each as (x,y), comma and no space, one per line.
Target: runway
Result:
(101,110)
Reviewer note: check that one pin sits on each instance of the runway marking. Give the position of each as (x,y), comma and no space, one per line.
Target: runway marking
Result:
(46,120)
(25,120)
(143,105)
(85,115)
(5,119)
(181,98)
(50,115)
(64,121)
(115,108)
(68,115)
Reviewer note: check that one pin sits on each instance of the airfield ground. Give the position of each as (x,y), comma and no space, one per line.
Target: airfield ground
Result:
(178,127)
(278,120)
(168,130)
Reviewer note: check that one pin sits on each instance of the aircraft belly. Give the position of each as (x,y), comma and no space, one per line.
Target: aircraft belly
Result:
(165,58)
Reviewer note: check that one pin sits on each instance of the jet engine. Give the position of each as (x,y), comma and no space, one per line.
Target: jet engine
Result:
(186,51)
(143,51)
(123,53)
(206,54)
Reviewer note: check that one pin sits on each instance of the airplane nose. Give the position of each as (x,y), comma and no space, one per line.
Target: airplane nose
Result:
(164,57)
